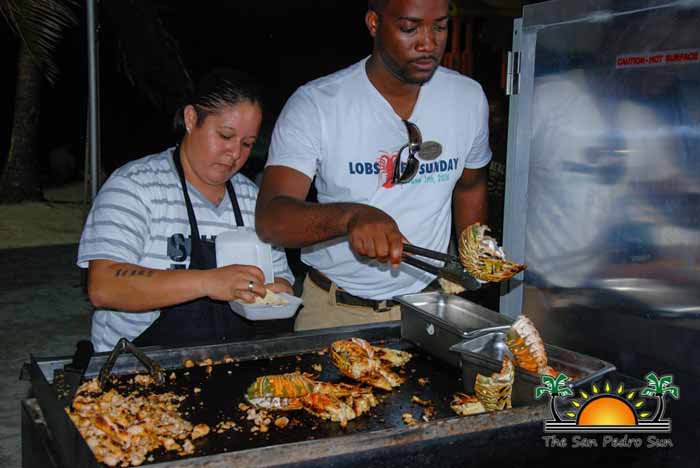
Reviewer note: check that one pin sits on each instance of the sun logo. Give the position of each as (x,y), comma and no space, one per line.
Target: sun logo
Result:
(607,409)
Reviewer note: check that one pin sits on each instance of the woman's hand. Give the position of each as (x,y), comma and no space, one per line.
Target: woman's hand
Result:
(234,282)
(280,285)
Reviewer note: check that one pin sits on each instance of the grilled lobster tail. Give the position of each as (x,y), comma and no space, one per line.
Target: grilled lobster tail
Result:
(294,391)
(281,392)
(526,344)
(359,360)
(483,258)
(495,392)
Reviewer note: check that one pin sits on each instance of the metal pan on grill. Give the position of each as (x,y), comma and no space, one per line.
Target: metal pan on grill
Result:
(484,354)
(435,321)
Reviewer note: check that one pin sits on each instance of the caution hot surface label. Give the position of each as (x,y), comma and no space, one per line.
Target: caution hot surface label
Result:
(657,59)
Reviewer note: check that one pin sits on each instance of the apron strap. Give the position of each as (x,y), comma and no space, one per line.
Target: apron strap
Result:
(234,203)
(188,203)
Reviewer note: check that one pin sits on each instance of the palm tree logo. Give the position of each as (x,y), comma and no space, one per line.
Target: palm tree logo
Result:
(555,387)
(657,388)
(607,409)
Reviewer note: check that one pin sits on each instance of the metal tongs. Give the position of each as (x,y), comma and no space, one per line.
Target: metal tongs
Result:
(67,380)
(125,345)
(452,270)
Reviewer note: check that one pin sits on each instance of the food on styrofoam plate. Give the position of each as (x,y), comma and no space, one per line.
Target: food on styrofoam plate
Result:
(269,299)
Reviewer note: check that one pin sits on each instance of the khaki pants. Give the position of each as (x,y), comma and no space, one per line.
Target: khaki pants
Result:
(321,311)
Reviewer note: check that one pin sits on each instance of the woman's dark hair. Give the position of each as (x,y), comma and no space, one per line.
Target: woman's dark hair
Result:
(222,87)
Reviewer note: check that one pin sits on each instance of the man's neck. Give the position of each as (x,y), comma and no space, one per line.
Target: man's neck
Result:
(401,96)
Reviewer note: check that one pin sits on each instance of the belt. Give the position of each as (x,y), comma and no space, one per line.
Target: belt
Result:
(345,298)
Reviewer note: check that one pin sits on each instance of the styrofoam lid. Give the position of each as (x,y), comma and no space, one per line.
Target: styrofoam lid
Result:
(242,246)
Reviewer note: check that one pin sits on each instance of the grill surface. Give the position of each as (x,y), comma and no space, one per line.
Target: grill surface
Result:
(223,390)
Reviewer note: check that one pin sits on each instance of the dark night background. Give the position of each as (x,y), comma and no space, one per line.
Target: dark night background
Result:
(282,44)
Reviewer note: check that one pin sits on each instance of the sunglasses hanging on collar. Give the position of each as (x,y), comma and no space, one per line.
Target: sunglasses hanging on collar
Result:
(416,149)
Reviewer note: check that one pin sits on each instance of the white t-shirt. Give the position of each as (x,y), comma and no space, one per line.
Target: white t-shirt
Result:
(139,217)
(342,131)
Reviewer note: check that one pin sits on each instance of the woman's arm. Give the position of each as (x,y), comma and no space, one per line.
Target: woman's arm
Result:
(133,288)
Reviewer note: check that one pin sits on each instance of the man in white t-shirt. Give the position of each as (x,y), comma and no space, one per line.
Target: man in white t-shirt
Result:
(346,130)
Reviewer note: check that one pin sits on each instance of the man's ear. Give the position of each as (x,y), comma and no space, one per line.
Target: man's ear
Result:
(372,22)
(190,117)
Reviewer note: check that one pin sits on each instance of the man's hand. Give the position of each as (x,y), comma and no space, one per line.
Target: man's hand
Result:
(373,233)
(232,282)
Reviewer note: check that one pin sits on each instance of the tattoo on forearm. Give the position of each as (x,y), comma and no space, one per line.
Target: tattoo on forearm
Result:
(146,273)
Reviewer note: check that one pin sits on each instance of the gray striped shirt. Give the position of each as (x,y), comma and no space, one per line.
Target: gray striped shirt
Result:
(139,217)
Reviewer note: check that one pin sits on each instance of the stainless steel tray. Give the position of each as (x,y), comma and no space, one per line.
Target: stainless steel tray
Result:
(435,321)
(484,354)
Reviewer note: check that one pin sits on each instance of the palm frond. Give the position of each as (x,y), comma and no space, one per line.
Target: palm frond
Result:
(548,381)
(40,25)
(653,380)
(672,390)
(566,391)
(559,381)
(665,380)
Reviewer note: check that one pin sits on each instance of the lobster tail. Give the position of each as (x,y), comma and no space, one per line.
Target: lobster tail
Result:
(483,258)
(526,344)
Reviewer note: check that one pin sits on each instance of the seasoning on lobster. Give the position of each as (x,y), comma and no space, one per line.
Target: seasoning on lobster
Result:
(359,360)
(483,258)
(294,391)
(493,393)
(528,349)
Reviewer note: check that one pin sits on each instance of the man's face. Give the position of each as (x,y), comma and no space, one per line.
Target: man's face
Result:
(410,37)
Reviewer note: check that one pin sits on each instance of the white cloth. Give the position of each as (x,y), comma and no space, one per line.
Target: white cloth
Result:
(139,217)
(342,131)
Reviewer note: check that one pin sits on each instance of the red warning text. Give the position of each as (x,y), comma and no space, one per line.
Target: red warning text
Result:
(655,59)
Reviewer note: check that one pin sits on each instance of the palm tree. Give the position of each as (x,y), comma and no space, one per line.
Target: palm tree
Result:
(556,388)
(658,387)
(39,24)
(150,59)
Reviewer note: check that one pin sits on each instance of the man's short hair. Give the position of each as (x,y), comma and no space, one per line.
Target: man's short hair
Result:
(377,5)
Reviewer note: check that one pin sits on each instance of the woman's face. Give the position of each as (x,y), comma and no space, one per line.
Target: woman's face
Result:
(219,146)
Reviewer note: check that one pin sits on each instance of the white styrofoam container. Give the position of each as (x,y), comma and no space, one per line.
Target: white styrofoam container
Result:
(266,311)
(241,246)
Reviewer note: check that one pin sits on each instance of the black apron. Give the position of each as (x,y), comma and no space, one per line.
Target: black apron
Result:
(205,320)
